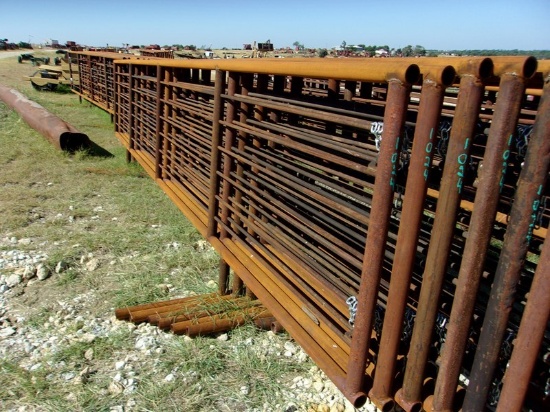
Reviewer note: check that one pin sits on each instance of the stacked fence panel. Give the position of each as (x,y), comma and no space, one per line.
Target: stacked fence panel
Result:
(373,215)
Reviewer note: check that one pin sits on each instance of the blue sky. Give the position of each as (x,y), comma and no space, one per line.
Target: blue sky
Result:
(467,24)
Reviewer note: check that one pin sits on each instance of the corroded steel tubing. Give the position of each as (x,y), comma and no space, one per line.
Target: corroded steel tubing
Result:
(431,100)
(164,319)
(59,133)
(247,81)
(530,186)
(529,338)
(143,315)
(276,327)
(394,120)
(465,118)
(124,313)
(507,109)
(180,328)
(215,156)
(223,278)
(222,325)
(264,323)
(372,70)
(231,114)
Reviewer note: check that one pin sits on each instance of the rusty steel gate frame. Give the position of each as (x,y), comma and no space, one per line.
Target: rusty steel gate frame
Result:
(312,177)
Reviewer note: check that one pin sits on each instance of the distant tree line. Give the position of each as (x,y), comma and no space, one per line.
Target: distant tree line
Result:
(539,54)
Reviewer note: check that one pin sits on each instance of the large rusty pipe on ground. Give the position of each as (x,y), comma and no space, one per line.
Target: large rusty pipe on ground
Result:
(507,109)
(59,133)
(530,186)
(529,337)
(465,118)
(436,79)
(394,120)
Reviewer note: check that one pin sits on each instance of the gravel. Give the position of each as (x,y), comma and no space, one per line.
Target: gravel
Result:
(22,262)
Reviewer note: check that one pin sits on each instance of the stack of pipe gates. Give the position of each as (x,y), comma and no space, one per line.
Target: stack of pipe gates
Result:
(92,75)
(389,213)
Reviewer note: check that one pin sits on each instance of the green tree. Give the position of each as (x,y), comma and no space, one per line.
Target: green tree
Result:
(419,50)
(407,51)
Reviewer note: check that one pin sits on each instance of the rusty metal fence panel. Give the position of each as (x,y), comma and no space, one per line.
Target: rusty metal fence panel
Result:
(386,221)
(94,78)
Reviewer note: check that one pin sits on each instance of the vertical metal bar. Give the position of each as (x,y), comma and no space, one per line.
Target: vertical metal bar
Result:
(365,90)
(469,101)
(431,100)
(501,132)
(168,114)
(215,157)
(333,89)
(296,86)
(206,76)
(223,278)
(349,90)
(278,89)
(231,112)
(530,185)
(159,122)
(529,338)
(259,114)
(105,85)
(245,87)
(90,80)
(394,120)
(131,107)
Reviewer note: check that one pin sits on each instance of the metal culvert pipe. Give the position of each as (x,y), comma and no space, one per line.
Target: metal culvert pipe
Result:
(59,133)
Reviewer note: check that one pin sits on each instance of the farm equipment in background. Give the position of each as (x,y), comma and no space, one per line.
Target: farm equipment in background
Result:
(36,61)
(48,77)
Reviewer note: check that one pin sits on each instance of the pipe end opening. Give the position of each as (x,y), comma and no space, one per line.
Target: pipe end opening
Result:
(412,74)
(360,400)
(71,141)
(388,406)
(486,68)
(417,407)
(448,75)
(530,67)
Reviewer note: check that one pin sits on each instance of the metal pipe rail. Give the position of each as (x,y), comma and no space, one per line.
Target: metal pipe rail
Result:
(353,97)
(280,166)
